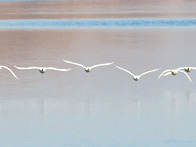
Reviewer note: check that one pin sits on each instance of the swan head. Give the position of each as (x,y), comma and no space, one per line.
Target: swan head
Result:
(87,69)
(174,72)
(187,69)
(136,78)
(42,70)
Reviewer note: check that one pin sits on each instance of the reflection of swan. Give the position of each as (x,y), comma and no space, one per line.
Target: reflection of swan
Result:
(41,69)
(42,106)
(0,108)
(175,104)
(173,72)
(138,106)
(9,71)
(187,68)
(137,77)
(88,69)
(189,99)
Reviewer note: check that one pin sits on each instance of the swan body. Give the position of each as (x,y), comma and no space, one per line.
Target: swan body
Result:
(1,66)
(41,69)
(88,69)
(187,68)
(137,77)
(174,72)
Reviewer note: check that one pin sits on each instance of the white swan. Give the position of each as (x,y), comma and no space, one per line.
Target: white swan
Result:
(174,72)
(88,69)
(41,69)
(187,68)
(137,77)
(1,66)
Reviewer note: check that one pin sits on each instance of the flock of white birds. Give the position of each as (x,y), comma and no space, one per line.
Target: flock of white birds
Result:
(167,72)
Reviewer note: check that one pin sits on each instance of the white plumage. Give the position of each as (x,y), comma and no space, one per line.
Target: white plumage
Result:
(41,69)
(137,77)
(1,66)
(174,72)
(88,69)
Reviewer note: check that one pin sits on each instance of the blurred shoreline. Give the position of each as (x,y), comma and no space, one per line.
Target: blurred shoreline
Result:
(86,9)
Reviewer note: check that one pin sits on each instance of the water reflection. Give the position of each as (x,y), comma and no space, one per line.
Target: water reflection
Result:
(100,120)
(104,107)
(175,103)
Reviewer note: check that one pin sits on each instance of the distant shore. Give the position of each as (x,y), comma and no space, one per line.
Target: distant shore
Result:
(86,9)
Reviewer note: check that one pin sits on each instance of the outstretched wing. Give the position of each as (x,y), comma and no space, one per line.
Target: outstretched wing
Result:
(165,73)
(25,68)
(194,68)
(74,63)
(57,69)
(181,68)
(10,71)
(125,70)
(104,64)
(149,72)
(186,75)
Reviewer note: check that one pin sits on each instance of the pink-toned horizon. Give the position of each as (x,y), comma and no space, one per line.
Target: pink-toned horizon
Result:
(97,9)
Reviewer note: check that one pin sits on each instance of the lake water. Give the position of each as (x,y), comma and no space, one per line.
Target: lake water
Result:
(105,107)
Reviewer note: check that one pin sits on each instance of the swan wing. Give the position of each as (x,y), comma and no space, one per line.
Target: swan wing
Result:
(104,64)
(10,71)
(194,68)
(78,64)
(125,70)
(149,72)
(57,69)
(186,75)
(165,73)
(181,68)
(25,68)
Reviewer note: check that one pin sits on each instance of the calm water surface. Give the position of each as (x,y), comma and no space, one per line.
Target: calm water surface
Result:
(104,107)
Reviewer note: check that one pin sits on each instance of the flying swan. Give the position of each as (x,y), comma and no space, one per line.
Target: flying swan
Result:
(187,68)
(88,69)
(137,77)
(174,72)
(41,69)
(1,66)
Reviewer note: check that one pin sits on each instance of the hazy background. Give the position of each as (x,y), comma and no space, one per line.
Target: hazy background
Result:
(105,107)
(64,9)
